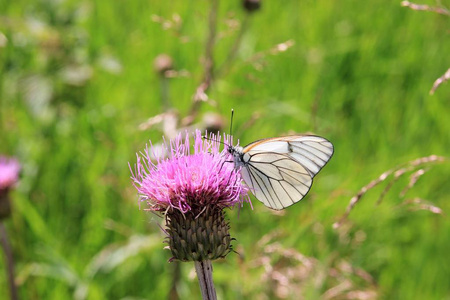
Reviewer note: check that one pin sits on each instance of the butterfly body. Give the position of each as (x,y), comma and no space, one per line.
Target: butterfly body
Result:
(238,156)
(279,171)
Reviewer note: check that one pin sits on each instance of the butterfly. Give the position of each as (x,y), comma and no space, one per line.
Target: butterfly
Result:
(279,171)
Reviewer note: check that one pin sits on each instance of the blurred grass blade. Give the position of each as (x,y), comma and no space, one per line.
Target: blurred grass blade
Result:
(55,271)
(34,220)
(114,255)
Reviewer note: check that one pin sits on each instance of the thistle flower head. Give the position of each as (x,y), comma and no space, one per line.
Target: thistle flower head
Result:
(185,181)
(9,172)
(191,190)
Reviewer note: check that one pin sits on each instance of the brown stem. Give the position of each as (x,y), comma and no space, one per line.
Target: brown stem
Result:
(200,94)
(439,81)
(9,262)
(414,6)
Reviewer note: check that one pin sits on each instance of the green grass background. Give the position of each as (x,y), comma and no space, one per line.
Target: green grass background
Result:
(359,74)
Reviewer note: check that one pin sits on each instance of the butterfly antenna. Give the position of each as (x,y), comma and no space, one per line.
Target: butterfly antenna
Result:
(231,122)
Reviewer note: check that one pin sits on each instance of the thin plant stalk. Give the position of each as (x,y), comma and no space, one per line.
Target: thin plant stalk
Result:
(204,274)
(9,261)
(200,93)
(164,88)
(176,274)
(227,64)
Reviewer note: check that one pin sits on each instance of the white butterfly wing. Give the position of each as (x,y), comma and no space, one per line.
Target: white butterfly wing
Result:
(279,171)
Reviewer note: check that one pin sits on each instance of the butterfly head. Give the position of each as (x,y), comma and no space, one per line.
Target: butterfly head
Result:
(237,152)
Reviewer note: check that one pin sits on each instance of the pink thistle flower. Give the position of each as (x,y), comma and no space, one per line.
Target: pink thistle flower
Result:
(9,172)
(185,181)
(191,190)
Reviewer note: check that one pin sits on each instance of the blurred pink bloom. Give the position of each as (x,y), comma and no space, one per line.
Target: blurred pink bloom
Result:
(9,172)
(185,181)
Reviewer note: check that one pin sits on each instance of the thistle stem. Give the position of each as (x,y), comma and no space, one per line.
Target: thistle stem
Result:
(9,261)
(204,274)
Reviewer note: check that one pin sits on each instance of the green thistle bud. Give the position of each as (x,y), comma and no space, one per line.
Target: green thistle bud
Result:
(198,237)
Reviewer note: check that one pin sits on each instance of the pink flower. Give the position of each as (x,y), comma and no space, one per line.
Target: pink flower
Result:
(185,181)
(9,172)
(191,190)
